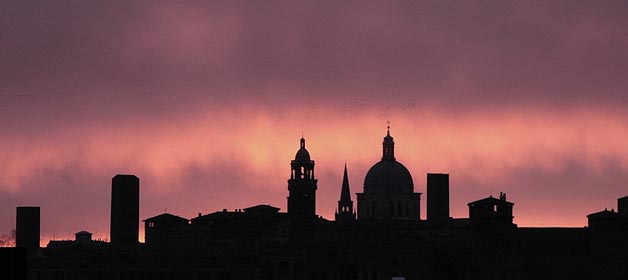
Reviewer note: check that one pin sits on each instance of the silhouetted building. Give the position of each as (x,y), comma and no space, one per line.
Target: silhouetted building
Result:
(156,228)
(389,189)
(125,210)
(13,263)
(604,219)
(27,227)
(345,212)
(438,199)
(491,211)
(608,235)
(260,222)
(610,221)
(82,241)
(83,237)
(622,205)
(302,185)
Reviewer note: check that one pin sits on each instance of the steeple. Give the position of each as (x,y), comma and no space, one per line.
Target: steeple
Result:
(345,194)
(345,212)
(388,147)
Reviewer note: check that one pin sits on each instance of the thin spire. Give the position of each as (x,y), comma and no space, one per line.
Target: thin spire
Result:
(345,193)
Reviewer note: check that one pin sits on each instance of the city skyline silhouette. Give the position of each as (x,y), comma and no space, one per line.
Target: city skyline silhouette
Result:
(206,101)
(187,96)
(459,210)
(384,237)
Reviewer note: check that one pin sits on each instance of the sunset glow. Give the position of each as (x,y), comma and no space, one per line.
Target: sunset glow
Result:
(205,103)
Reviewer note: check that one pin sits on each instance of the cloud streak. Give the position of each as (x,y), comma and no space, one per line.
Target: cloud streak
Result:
(576,160)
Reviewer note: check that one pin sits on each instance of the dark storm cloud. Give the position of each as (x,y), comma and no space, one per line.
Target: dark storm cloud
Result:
(164,57)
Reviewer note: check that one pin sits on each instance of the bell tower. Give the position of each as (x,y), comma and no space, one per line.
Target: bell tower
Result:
(302,185)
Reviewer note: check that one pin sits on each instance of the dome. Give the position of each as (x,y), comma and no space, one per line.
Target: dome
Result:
(388,176)
(302,154)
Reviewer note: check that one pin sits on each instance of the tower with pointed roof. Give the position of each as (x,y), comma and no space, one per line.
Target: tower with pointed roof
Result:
(302,185)
(345,213)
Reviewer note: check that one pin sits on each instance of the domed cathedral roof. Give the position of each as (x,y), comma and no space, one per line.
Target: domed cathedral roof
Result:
(388,175)
(389,190)
(302,156)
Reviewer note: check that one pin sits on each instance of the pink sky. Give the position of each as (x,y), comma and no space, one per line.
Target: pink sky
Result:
(205,102)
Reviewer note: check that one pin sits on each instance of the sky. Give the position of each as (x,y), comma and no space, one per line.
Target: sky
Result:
(206,101)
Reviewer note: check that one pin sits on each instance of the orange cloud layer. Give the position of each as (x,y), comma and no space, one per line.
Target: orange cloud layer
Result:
(484,153)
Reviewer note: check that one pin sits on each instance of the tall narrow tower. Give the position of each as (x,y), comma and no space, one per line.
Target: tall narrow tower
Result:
(345,213)
(438,198)
(125,210)
(27,227)
(302,185)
